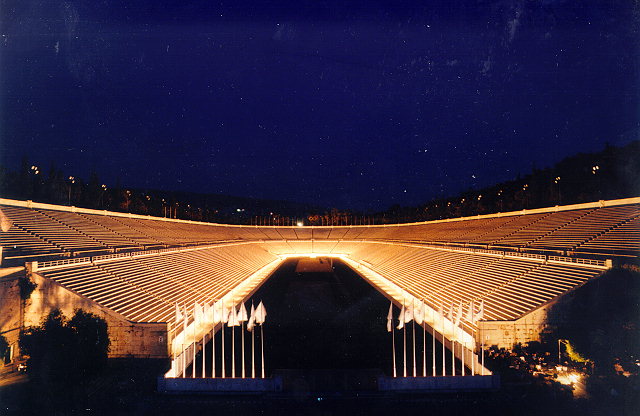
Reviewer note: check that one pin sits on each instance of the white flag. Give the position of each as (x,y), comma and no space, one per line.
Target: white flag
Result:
(469,316)
(233,317)
(242,313)
(5,222)
(401,318)
(217,312)
(408,315)
(185,319)
(224,318)
(197,313)
(418,314)
(261,313)
(390,318)
(480,314)
(207,312)
(179,316)
(252,319)
(459,314)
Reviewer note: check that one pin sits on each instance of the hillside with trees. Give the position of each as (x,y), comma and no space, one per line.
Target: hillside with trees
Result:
(609,174)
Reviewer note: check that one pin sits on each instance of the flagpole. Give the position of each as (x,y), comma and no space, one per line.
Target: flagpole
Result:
(390,328)
(413,339)
(404,335)
(473,353)
(433,347)
(482,348)
(242,332)
(253,355)
(204,337)
(233,346)
(253,343)
(462,350)
(424,342)
(393,346)
(213,351)
(213,339)
(184,359)
(262,346)
(193,365)
(224,371)
(444,367)
(453,347)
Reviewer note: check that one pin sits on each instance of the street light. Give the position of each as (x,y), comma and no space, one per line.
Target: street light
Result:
(104,189)
(72,180)
(524,196)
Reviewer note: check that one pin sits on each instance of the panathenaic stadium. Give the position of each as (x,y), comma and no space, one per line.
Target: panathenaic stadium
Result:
(136,271)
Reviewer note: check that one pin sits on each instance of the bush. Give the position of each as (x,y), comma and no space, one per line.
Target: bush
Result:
(4,348)
(27,286)
(73,349)
(602,318)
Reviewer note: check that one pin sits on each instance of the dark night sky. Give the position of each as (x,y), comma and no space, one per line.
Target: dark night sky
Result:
(358,106)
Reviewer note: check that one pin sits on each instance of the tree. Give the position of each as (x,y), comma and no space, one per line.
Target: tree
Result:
(48,347)
(75,348)
(602,318)
(91,342)
(4,348)
(61,354)
(27,286)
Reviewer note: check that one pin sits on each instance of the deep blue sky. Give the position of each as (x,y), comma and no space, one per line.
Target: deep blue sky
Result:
(347,104)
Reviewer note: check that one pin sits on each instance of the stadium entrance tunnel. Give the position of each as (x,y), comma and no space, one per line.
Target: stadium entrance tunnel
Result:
(326,329)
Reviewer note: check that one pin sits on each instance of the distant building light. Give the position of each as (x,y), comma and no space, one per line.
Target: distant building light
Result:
(300,224)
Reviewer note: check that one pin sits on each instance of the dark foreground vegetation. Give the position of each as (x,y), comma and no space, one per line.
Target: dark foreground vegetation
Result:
(61,356)
(609,174)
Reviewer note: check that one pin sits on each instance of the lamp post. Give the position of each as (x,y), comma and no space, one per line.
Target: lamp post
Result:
(594,170)
(560,341)
(128,196)
(72,180)
(557,182)
(104,189)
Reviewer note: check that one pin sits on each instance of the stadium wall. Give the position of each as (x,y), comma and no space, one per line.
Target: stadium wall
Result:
(10,312)
(505,334)
(530,327)
(128,339)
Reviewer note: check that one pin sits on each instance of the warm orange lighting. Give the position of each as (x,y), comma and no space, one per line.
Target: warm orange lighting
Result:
(568,378)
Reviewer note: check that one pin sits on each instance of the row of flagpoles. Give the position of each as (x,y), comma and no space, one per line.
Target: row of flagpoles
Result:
(418,315)
(212,315)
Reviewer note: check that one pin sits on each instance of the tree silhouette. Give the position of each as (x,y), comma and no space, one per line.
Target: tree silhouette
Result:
(61,354)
